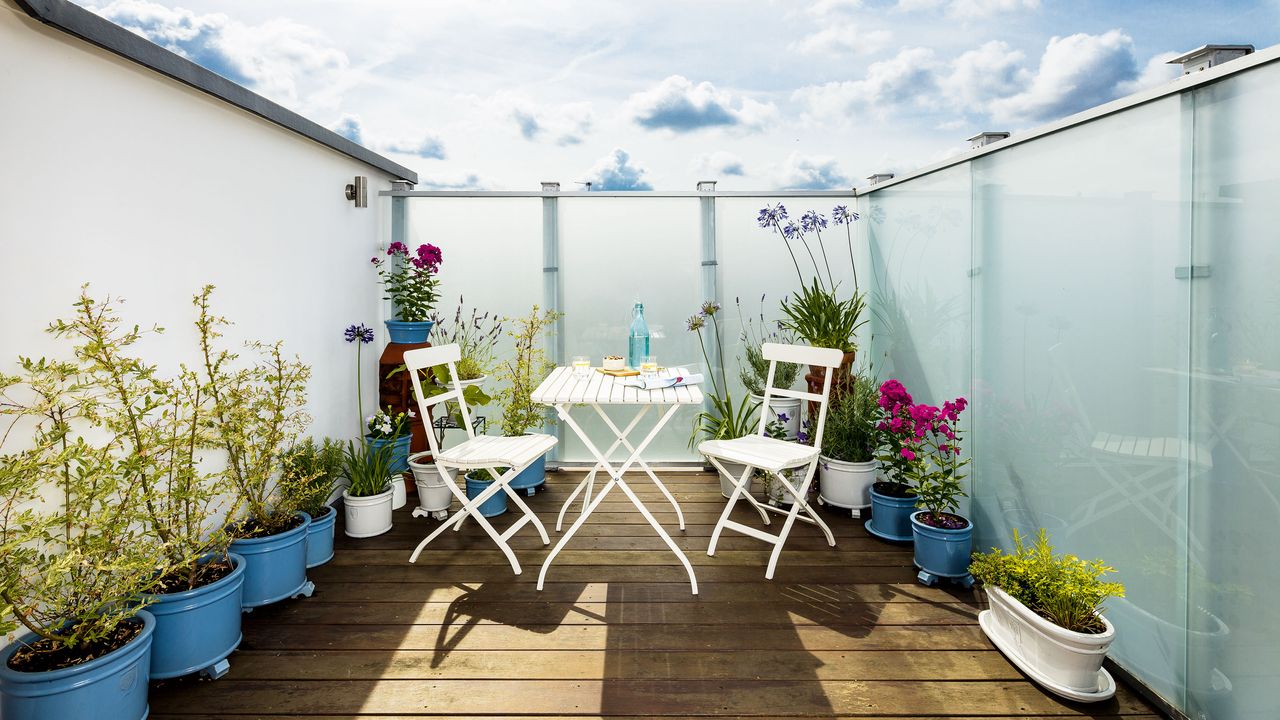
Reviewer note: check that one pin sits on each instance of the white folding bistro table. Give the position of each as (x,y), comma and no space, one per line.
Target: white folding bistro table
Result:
(564,389)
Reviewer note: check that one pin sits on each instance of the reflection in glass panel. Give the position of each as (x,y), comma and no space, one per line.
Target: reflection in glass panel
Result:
(1232,622)
(1080,423)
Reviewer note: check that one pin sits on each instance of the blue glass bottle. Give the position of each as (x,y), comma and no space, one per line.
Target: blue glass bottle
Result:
(638,340)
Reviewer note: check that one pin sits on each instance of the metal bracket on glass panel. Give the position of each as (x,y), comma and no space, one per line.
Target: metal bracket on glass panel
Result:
(1190,272)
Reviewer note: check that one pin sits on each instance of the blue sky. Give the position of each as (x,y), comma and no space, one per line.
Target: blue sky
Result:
(756,94)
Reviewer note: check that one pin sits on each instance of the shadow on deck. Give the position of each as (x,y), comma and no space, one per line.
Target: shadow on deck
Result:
(838,632)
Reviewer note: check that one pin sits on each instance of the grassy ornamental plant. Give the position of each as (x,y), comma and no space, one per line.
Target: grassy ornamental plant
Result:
(367,469)
(1063,589)
(75,553)
(257,412)
(852,433)
(727,418)
(754,368)
(310,472)
(410,279)
(524,371)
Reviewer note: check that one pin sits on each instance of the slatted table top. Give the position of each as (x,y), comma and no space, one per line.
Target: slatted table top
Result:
(563,385)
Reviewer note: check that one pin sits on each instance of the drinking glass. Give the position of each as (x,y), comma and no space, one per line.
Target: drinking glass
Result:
(581,365)
(649,365)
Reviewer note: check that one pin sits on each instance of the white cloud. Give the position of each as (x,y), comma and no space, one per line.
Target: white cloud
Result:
(978,76)
(350,128)
(566,124)
(714,165)
(907,79)
(676,104)
(451,181)
(811,172)
(843,38)
(1076,72)
(616,171)
(968,9)
(429,146)
(827,8)
(281,59)
(1157,72)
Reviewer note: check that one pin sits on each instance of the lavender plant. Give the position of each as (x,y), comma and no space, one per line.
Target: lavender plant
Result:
(753,367)
(477,339)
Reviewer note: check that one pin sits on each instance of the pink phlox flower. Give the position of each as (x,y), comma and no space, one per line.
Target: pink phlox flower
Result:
(397,248)
(908,453)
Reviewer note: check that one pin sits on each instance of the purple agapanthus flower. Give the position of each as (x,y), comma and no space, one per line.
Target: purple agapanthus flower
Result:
(791,231)
(360,332)
(812,221)
(840,215)
(771,215)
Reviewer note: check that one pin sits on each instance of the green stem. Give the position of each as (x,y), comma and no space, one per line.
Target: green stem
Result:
(359,389)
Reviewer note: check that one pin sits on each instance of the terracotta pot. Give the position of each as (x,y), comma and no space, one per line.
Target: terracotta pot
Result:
(817,375)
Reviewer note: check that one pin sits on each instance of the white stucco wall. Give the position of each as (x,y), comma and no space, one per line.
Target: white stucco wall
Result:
(118,176)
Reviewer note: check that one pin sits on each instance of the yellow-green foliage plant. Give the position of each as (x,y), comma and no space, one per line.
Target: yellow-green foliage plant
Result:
(524,371)
(75,555)
(257,411)
(1063,589)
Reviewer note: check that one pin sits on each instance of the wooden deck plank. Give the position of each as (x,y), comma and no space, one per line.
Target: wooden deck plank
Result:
(843,632)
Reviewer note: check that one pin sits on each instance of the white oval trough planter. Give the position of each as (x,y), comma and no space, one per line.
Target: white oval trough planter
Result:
(846,485)
(1062,661)
(434,497)
(367,516)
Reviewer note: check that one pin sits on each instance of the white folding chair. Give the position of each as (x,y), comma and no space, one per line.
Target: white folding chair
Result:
(761,452)
(481,452)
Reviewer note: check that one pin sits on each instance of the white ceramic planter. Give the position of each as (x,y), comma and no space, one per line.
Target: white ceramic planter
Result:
(779,496)
(473,381)
(399,493)
(1065,662)
(367,516)
(846,484)
(726,484)
(433,495)
(791,407)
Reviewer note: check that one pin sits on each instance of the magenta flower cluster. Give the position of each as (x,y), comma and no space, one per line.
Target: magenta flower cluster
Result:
(427,257)
(912,422)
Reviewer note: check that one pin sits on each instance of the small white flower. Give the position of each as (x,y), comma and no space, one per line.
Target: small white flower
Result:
(412,414)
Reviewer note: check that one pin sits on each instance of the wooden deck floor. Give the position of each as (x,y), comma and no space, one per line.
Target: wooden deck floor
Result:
(839,632)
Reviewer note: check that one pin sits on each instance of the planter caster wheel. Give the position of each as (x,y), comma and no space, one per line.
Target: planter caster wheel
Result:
(307,589)
(440,514)
(217,670)
(821,502)
(927,578)
(966,582)
(530,492)
(930,580)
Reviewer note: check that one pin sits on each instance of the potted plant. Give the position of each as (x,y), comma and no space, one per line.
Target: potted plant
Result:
(411,284)
(848,465)
(367,498)
(754,370)
(74,560)
(1046,615)
(256,411)
(943,537)
(434,497)
(520,376)
(893,499)
(477,339)
(817,314)
(310,475)
(727,418)
(360,335)
(390,429)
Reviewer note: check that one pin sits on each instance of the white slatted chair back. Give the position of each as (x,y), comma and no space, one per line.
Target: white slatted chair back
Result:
(775,353)
(425,359)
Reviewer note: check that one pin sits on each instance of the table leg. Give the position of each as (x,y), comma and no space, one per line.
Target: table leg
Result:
(622,438)
(589,481)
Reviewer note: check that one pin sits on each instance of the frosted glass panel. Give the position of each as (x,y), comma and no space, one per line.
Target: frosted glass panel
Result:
(1232,622)
(1081,346)
(615,252)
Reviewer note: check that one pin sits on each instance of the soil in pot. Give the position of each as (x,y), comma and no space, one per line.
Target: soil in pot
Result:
(43,656)
(248,528)
(893,490)
(206,573)
(942,521)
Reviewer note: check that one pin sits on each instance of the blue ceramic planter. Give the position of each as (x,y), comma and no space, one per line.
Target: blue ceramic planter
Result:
(399,450)
(941,552)
(113,686)
(531,477)
(320,539)
(275,566)
(197,629)
(495,505)
(409,333)
(891,516)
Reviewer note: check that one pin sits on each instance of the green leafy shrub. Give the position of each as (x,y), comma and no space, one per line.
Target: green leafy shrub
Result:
(852,432)
(310,472)
(74,554)
(522,374)
(1063,589)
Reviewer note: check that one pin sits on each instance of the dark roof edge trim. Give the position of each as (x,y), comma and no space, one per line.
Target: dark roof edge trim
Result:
(99,31)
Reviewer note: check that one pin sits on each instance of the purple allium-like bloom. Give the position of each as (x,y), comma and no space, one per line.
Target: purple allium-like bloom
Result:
(840,215)
(791,231)
(771,215)
(710,307)
(812,221)
(359,332)
(697,322)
